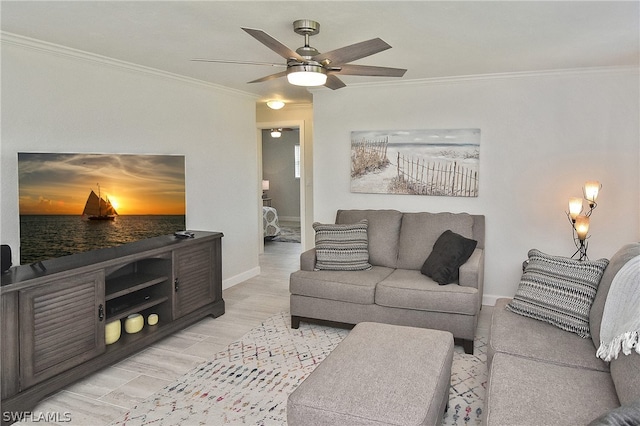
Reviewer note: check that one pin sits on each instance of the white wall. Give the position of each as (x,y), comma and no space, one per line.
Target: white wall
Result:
(57,100)
(542,136)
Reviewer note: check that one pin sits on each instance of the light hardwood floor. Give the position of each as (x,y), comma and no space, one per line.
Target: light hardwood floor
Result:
(108,394)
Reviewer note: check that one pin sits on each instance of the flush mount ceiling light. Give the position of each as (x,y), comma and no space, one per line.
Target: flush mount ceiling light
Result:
(275,104)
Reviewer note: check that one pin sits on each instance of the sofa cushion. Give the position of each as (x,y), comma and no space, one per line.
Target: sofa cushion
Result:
(618,260)
(342,247)
(625,371)
(409,289)
(420,231)
(346,286)
(529,338)
(450,251)
(524,391)
(558,290)
(383,232)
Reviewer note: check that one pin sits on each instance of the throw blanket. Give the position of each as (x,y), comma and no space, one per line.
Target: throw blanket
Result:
(620,327)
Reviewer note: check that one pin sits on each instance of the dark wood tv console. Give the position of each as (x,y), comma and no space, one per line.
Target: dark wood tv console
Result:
(53,314)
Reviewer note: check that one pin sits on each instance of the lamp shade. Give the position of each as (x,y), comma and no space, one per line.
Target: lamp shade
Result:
(306,75)
(276,133)
(582,227)
(575,207)
(591,189)
(265,185)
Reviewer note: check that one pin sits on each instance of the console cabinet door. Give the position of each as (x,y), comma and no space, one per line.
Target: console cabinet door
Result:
(61,325)
(10,343)
(194,272)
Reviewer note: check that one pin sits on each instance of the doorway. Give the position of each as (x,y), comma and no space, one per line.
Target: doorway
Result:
(281,163)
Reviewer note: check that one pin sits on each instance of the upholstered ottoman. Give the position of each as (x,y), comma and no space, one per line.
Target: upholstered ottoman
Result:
(380,374)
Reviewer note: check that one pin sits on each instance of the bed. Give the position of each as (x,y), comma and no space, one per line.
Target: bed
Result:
(270,225)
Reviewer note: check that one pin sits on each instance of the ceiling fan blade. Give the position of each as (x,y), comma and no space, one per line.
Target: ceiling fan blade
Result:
(273,44)
(223,61)
(270,77)
(353,52)
(334,82)
(351,69)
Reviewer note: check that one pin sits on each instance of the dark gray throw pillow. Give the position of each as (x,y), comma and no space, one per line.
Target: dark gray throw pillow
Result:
(626,415)
(450,251)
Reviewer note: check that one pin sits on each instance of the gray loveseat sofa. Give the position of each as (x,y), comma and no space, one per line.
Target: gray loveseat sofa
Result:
(394,291)
(542,375)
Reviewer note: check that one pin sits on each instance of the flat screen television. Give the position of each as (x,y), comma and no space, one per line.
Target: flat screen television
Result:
(72,203)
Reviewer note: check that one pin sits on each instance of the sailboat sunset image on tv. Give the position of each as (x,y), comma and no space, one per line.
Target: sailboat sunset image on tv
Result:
(98,208)
(72,203)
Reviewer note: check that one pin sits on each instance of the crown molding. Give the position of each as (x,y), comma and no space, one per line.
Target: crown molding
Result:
(80,55)
(571,72)
(75,54)
(262,105)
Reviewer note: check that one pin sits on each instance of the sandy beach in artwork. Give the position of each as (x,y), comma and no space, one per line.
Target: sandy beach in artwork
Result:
(432,169)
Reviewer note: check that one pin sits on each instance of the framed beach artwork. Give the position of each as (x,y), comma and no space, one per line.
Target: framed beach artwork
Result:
(441,162)
(71,203)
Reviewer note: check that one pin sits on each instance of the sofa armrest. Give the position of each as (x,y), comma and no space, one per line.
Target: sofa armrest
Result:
(308,260)
(472,272)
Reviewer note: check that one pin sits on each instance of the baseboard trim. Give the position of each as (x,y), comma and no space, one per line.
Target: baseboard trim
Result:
(289,218)
(237,279)
(490,299)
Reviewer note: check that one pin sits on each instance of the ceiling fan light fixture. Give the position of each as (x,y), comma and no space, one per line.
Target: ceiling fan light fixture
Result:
(306,75)
(275,104)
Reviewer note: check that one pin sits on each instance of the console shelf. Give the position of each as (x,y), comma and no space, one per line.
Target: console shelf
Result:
(121,286)
(137,308)
(130,339)
(53,320)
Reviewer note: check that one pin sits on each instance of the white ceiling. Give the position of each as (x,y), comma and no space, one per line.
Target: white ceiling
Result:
(431,39)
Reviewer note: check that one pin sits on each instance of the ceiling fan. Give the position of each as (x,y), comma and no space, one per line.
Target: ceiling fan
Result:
(277,132)
(308,67)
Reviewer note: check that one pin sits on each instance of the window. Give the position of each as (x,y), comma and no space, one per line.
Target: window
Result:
(296,161)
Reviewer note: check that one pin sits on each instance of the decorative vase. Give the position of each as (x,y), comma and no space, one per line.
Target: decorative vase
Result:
(133,323)
(112,332)
(152,319)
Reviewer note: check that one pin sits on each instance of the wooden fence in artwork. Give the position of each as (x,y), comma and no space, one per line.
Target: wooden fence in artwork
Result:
(433,178)
(368,155)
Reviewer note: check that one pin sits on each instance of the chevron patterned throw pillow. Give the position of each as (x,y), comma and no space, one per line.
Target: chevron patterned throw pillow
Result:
(342,247)
(558,290)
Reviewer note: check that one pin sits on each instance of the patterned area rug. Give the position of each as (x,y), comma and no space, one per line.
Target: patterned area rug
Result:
(288,234)
(249,382)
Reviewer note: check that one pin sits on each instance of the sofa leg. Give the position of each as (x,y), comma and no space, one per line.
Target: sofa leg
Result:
(466,344)
(295,322)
